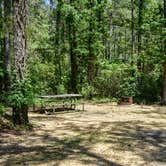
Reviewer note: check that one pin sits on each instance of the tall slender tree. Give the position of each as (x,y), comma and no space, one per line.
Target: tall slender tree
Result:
(20,113)
(164,82)
(140,19)
(73,45)
(7,57)
(132,28)
(1,46)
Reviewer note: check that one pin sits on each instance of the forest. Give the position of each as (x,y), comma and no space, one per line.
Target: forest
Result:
(82,82)
(98,48)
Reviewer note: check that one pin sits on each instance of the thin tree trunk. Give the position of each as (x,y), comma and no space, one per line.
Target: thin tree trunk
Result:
(20,114)
(57,41)
(140,32)
(51,18)
(74,64)
(132,28)
(73,57)
(91,57)
(7,57)
(164,81)
(1,46)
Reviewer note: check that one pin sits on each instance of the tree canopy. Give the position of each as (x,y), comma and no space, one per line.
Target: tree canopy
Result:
(99,48)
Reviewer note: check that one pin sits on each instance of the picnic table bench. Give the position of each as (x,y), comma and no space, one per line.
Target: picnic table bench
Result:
(69,101)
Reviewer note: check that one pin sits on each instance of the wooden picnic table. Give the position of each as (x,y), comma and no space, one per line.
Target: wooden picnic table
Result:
(69,100)
(63,96)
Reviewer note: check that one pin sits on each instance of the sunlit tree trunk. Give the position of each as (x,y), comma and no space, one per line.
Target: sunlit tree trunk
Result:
(20,114)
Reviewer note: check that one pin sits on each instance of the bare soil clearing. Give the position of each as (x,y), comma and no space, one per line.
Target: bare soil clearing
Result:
(103,135)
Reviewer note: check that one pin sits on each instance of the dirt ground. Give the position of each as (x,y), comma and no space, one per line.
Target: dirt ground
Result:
(103,135)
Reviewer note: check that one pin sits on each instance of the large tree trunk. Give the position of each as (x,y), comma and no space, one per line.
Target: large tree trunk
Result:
(164,82)
(20,114)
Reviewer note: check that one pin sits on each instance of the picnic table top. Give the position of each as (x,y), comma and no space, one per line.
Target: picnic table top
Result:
(61,96)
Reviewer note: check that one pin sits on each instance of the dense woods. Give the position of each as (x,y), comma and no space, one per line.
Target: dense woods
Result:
(98,48)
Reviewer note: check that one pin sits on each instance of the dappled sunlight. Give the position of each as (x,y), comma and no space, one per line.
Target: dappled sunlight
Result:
(126,136)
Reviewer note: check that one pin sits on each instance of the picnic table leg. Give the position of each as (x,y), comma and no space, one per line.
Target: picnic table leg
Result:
(75,100)
(34,107)
(83,107)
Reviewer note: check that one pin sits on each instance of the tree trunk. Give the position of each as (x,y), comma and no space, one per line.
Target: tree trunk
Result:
(140,32)
(164,81)
(132,28)
(20,114)
(7,57)
(73,56)
(51,18)
(91,56)
(74,64)
(1,47)
(58,41)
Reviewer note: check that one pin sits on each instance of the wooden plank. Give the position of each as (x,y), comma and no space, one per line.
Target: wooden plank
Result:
(61,96)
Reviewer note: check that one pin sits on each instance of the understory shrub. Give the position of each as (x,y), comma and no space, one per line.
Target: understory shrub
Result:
(116,80)
(21,94)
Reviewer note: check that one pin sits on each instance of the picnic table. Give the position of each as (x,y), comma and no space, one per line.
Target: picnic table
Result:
(68,101)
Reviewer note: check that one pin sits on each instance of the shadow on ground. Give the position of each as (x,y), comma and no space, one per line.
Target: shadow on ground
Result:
(145,139)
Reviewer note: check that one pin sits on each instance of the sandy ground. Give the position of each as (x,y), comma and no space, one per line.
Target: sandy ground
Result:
(103,135)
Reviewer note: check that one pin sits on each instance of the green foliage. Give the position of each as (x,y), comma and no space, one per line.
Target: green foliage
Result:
(88,91)
(42,76)
(98,35)
(116,80)
(61,89)
(21,94)
(2,109)
(148,88)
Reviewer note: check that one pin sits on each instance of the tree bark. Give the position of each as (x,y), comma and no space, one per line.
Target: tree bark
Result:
(91,56)
(73,56)
(7,57)
(20,114)
(132,28)
(20,14)
(164,81)
(140,33)
(51,18)
(1,47)
(58,40)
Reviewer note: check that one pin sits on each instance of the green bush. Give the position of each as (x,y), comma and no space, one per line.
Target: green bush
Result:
(21,94)
(116,80)
(88,91)
(61,89)
(148,88)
